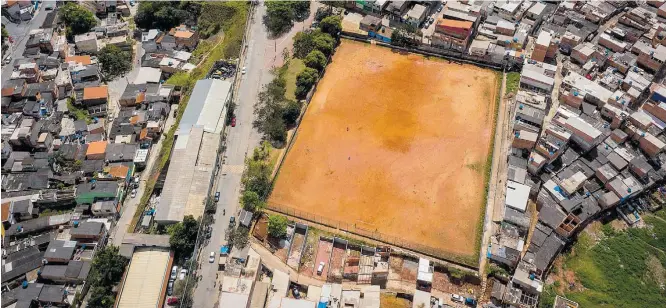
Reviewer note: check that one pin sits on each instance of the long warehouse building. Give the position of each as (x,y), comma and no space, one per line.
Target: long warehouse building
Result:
(195,152)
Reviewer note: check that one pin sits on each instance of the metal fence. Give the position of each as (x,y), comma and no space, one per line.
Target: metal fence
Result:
(466,261)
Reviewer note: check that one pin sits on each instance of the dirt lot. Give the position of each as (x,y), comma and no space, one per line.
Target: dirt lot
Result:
(393,142)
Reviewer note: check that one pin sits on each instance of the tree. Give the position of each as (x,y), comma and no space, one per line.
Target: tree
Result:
(279,16)
(115,61)
(239,237)
(331,25)
(305,80)
(303,44)
(78,19)
(101,297)
(182,237)
(324,42)
(163,15)
(269,109)
(291,113)
(277,226)
(5,34)
(108,266)
(315,59)
(251,201)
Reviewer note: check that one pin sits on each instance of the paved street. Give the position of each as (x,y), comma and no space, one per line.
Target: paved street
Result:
(19,33)
(129,207)
(262,53)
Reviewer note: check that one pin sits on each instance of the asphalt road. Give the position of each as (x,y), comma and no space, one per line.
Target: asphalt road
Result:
(262,54)
(20,33)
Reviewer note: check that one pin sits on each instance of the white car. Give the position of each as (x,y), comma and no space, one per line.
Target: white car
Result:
(211,258)
(320,268)
(244,70)
(457,298)
(133,194)
(174,272)
(183,273)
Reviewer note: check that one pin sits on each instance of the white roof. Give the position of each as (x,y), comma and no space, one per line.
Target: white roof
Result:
(233,300)
(295,303)
(140,155)
(206,106)
(517,195)
(544,38)
(583,127)
(148,75)
(537,8)
(421,299)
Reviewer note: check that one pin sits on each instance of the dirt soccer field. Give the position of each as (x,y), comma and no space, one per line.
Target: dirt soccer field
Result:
(395,144)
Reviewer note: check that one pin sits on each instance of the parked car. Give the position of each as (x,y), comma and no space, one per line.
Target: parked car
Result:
(183,273)
(174,272)
(233,122)
(296,293)
(170,288)
(133,194)
(217,196)
(132,2)
(8,59)
(457,298)
(244,70)
(211,258)
(320,268)
(440,8)
(172,301)
(232,221)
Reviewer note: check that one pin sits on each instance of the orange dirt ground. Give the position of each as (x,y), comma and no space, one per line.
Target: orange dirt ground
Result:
(395,144)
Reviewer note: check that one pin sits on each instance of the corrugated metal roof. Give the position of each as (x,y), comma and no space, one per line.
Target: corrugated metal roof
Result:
(145,278)
(206,106)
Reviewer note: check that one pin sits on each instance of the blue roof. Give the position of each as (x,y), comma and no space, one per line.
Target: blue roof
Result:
(224,249)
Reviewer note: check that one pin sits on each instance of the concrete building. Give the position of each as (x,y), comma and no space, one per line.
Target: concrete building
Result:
(517,195)
(538,76)
(452,34)
(87,43)
(544,47)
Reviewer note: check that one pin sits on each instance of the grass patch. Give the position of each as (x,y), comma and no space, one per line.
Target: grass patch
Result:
(624,269)
(478,167)
(295,67)
(512,82)
(78,113)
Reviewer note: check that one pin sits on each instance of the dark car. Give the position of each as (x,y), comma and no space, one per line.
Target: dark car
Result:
(217,196)
(232,221)
(170,288)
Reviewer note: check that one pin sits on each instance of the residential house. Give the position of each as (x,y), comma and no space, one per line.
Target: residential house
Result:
(95,95)
(87,43)
(416,15)
(60,251)
(452,34)
(91,192)
(538,76)
(96,150)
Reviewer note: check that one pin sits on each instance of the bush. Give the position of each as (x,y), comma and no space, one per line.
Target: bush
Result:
(305,80)
(315,59)
(277,226)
